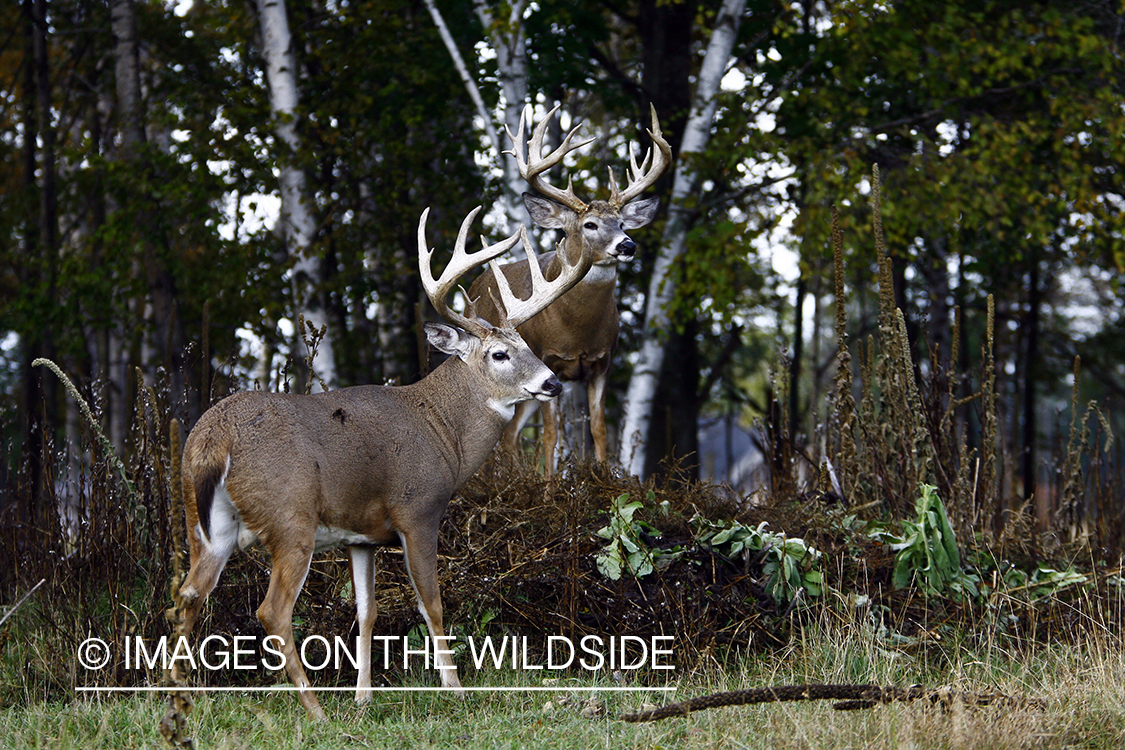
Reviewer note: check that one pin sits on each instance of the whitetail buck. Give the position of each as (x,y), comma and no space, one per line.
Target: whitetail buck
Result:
(575,336)
(363,466)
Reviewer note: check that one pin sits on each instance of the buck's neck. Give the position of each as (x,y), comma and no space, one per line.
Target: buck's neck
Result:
(458,413)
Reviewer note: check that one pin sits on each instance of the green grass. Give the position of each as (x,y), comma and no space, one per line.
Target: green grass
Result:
(1083,685)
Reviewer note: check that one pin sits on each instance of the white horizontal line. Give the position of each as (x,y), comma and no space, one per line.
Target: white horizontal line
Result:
(294,689)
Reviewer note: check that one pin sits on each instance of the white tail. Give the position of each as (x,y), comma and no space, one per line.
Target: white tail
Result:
(363,466)
(576,335)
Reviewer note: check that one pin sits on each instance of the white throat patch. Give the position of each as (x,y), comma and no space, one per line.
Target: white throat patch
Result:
(506,411)
(601,274)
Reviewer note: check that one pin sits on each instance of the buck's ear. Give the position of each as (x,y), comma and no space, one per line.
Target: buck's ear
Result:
(638,213)
(546,213)
(446,338)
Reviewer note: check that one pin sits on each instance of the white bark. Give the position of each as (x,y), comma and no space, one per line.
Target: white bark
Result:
(646,371)
(296,221)
(466,76)
(127,100)
(511,60)
(510,45)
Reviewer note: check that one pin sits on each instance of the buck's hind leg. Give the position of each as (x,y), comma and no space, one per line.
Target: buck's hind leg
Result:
(419,548)
(209,555)
(362,561)
(290,568)
(595,391)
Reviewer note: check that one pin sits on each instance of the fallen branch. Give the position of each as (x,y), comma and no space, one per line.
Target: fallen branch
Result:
(850,697)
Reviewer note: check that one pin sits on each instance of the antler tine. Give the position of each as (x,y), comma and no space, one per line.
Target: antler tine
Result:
(535,163)
(543,292)
(641,178)
(459,264)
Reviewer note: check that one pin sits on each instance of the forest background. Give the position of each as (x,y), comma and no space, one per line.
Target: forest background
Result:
(145,149)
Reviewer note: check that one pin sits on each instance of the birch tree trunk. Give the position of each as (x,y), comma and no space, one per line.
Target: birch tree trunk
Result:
(510,44)
(639,400)
(126,76)
(163,343)
(511,59)
(112,350)
(296,221)
(113,363)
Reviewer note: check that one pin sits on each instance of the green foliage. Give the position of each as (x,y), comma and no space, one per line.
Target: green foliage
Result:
(1000,105)
(1004,165)
(789,564)
(629,550)
(1042,582)
(927,553)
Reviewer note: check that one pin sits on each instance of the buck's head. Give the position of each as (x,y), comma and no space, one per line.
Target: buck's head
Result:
(503,367)
(598,227)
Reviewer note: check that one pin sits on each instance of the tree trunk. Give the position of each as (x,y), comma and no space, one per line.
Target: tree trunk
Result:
(510,44)
(40,266)
(639,402)
(127,76)
(666,36)
(511,60)
(666,33)
(935,274)
(675,424)
(796,359)
(297,225)
(1031,376)
(165,342)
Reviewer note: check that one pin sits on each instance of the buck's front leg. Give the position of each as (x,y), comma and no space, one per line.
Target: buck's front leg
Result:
(419,548)
(511,439)
(363,581)
(551,412)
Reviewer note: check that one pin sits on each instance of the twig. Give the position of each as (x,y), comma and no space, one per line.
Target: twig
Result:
(107,447)
(23,599)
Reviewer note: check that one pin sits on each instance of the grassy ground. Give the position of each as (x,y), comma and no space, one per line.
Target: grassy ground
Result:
(1082,685)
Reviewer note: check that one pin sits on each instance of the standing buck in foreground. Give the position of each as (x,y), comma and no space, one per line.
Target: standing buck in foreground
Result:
(576,335)
(362,466)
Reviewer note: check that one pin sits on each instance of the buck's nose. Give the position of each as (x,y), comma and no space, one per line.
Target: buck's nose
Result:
(552,387)
(625,249)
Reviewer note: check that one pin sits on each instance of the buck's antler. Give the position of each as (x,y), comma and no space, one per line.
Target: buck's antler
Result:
(535,163)
(543,292)
(641,178)
(515,311)
(460,264)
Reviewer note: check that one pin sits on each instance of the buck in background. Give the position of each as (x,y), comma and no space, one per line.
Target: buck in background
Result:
(363,466)
(575,336)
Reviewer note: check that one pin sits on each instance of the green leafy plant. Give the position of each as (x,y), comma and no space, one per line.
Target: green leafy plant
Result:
(1040,583)
(927,553)
(788,564)
(629,551)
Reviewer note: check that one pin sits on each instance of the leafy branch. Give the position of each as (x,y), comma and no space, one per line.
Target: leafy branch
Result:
(629,549)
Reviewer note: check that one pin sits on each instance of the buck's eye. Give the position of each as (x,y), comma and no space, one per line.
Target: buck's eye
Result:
(590,225)
(499,356)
